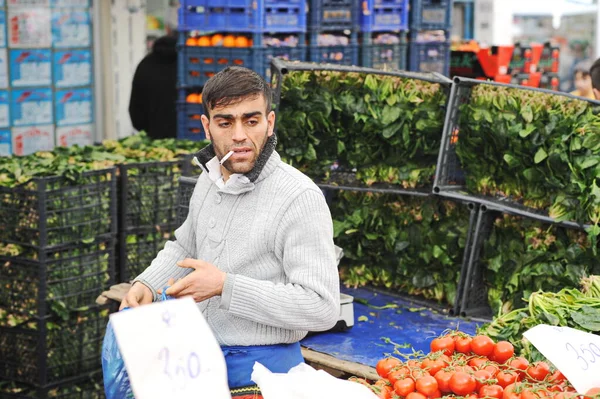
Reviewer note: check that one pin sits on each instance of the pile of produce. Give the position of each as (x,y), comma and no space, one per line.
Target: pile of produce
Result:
(460,365)
(550,151)
(409,244)
(522,256)
(385,128)
(579,309)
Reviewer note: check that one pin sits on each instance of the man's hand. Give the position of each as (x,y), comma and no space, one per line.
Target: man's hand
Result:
(204,282)
(137,295)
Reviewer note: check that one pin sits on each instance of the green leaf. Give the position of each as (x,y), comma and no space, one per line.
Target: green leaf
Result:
(587,318)
(592,142)
(363,318)
(511,161)
(527,131)
(527,113)
(540,155)
(341,147)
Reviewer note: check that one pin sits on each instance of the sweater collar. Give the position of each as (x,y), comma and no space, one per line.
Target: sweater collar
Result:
(265,165)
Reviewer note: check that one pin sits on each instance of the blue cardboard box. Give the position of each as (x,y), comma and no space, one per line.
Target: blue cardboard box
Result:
(32,67)
(2,28)
(4,109)
(72,68)
(31,107)
(71,27)
(73,107)
(5,141)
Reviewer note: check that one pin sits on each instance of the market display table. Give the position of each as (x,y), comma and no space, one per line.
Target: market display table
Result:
(383,322)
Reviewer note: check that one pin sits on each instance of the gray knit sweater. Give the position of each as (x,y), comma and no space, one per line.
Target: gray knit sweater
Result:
(271,232)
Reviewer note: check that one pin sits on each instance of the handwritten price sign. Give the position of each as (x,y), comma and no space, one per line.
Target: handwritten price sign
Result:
(169,351)
(575,353)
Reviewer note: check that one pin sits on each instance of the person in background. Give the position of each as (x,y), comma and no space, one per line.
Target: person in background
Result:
(595,76)
(152,106)
(256,251)
(583,80)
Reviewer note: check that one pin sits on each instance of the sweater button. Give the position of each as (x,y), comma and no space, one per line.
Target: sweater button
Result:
(212,222)
(218,198)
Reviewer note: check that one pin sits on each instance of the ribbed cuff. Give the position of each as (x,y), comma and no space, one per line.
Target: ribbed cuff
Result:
(227,291)
(154,293)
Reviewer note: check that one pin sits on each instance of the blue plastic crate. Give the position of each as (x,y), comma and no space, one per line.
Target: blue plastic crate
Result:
(431,14)
(252,16)
(430,57)
(384,15)
(341,55)
(197,64)
(384,56)
(333,15)
(287,53)
(189,125)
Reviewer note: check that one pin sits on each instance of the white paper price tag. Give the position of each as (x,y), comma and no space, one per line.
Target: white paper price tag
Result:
(170,351)
(575,353)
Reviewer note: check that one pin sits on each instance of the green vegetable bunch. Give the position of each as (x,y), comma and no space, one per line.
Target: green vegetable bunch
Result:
(410,244)
(387,128)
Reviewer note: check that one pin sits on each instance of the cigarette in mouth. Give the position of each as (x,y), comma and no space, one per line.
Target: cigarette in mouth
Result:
(226,157)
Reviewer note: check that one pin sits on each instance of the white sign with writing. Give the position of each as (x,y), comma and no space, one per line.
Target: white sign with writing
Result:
(575,353)
(170,351)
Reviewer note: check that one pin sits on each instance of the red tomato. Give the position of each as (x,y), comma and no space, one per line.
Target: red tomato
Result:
(415,395)
(491,391)
(433,366)
(509,392)
(519,363)
(478,362)
(398,374)
(462,383)
(382,392)
(593,392)
(538,371)
(503,351)
(463,344)
(492,369)
(482,345)
(437,394)
(443,379)
(481,377)
(506,378)
(384,366)
(426,385)
(557,377)
(445,344)
(404,386)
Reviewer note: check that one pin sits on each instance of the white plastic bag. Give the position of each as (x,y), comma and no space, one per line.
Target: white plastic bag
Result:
(304,382)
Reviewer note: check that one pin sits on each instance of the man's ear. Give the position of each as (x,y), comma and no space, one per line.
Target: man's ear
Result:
(597,94)
(205,125)
(271,122)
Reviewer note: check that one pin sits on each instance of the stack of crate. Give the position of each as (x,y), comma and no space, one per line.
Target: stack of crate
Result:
(217,34)
(429,44)
(383,26)
(333,31)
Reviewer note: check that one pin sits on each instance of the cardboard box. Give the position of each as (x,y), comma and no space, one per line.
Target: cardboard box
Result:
(2,28)
(72,68)
(3,69)
(81,135)
(30,67)
(30,139)
(4,109)
(29,27)
(70,3)
(5,143)
(71,27)
(73,107)
(32,3)
(29,107)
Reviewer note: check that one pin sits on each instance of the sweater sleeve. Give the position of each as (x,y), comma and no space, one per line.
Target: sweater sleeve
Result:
(164,266)
(311,298)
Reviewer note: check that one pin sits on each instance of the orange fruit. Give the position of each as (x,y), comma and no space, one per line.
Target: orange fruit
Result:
(191,41)
(208,60)
(203,41)
(196,117)
(192,98)
(195,74)
(194,60)
(200,98)
(229,41)
(210,74)
(195,131)
(216,40)
(223,61)
(238,62)
(241,41)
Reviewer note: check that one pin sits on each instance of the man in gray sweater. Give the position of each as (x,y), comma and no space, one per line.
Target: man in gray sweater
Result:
(256,251)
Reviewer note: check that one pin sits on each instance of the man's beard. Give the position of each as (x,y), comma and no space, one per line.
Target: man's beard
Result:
(229,164)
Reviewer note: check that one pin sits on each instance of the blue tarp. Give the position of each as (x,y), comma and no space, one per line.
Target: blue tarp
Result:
(401,322)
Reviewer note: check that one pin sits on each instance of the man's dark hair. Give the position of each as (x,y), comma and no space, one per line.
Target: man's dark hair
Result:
(232,85)
(595,74)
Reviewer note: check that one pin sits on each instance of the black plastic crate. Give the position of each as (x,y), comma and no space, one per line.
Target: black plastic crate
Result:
(85,388)
(431,14)
(450,176)
(186,189)
(138,248)
(342,165)
(53,351)
(52,211)
(58,281)
(382,55)
(474,300)
(333,15)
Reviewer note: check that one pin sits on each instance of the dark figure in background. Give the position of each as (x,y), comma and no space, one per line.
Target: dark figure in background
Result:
(595,74)
(153,92)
